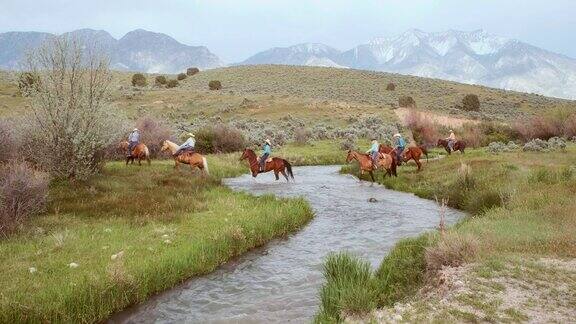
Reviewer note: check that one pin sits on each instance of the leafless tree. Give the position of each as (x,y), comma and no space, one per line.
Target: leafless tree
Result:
(71,122)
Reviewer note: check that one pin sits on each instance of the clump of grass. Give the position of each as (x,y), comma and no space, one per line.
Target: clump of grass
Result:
(451,251)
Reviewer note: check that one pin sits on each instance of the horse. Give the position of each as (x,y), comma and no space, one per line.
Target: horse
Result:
(191,158)
(275,164)
(140,152)
(415,153)
(458,145)
(385,161)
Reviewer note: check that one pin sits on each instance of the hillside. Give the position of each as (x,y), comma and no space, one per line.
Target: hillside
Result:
(272,97)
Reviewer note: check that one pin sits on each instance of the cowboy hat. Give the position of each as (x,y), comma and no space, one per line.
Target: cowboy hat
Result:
(268,141)
(135,130)
(451,131)
(191,135)
(397,135)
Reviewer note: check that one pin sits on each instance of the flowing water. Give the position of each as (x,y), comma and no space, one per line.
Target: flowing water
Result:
(280,282)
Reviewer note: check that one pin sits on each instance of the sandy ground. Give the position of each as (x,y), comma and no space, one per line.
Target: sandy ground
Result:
(534,291)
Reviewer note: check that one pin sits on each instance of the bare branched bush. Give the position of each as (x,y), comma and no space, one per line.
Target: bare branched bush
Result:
(27,82)
(23,192)
(153,132)
(302,136)
(569,127)
(391,86)
(423,129)
(7,143)
(71,122)
(220,138)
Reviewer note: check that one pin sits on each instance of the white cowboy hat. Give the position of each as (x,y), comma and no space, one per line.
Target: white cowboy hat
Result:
(191,135)
(268,141)
(135,130)
(451,131)
(397,135)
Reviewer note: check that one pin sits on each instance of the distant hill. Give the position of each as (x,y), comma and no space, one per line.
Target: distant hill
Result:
(138,50)
(469,57)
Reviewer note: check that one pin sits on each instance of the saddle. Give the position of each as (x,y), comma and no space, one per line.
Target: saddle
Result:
(268,160)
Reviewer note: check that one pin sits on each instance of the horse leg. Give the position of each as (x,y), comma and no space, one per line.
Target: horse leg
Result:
(139,161)
(418,164)
(285,175)
(127,159)
(276,175)
(372,176)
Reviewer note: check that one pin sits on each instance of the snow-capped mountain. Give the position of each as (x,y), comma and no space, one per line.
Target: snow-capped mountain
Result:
(471,57)
(312,54)
(138,50)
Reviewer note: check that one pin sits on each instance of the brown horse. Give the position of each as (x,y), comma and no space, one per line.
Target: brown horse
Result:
(414,153)
(458,145)
(140,152)
(384,162)
(275,164)
(193,159)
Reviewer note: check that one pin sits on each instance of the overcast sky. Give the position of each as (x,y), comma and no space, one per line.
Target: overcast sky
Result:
(236,29)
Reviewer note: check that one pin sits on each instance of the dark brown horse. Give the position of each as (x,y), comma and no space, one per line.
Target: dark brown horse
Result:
(277,165)
(414,153)
(458,145)
(140,152)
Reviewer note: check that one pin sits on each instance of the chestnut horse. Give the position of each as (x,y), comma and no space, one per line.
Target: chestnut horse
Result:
(140,152)
(384,162)
(193,159)
(458,145)
(275,164)
(409,153)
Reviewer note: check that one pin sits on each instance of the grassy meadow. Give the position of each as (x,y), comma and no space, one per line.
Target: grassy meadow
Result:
(521,207)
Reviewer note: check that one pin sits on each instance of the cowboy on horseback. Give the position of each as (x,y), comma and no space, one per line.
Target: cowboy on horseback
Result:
(133,140)
(373,151)
(187,146)
(451,140)
(266,152)
(400,145)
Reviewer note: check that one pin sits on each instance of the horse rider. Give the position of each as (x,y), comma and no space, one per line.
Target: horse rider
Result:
(373,151)
(187,146)
(451,140)
(400,145)
(266,152)
(133,140)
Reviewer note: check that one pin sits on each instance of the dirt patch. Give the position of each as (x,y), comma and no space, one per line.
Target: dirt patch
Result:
(448,121)
(536,291)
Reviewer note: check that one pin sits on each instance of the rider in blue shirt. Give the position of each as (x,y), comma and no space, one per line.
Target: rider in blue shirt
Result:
(373,151)
(267,151)
(400,145)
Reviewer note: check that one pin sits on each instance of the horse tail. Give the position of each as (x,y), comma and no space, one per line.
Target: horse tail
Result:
(289,169)
(425,151)
(147,154)
(205,164)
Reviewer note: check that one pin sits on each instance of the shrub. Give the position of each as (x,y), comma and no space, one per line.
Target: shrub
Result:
(221,138)
(471,103)
(23,193)
(422,128)
(214,85)
(390,86)
(139,80)
(452,251)
(181,76)
(74,126)
(569,126)
(153,132)
(191,71)
(160,80)
(407,102)
(7,143)
(538,145)
(27,83)
(172,84)
(302,136)
(499,147)
(349,143)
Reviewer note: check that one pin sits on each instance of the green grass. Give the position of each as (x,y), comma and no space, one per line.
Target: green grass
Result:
(170,226)
(521,205)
